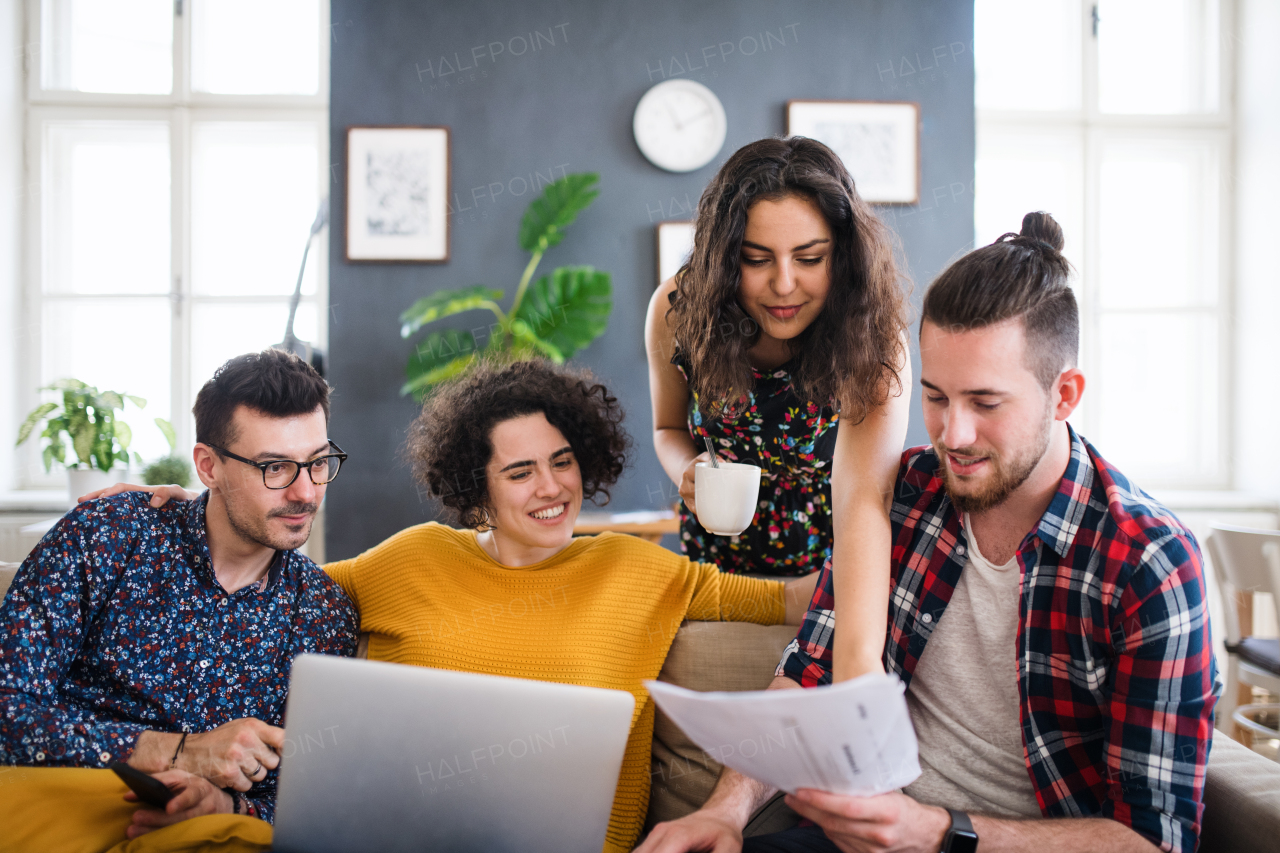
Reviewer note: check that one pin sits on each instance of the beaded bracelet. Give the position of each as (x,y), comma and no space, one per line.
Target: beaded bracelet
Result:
(241,804)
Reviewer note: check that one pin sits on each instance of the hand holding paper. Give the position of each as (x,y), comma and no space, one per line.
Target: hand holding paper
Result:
(849,738)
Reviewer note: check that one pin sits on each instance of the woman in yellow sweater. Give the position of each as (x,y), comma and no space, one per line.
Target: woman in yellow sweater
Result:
(513,450)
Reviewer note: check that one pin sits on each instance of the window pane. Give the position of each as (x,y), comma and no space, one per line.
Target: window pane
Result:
(255,47)
(1027,55)
(1156,395)
(1158,223)
(222,330)
(254,197)
(106,225)
(84,339)
(1019,171)
(1158,56)
(121,46)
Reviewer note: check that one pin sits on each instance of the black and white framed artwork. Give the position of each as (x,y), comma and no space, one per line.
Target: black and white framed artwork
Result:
(398,194)
(878,141)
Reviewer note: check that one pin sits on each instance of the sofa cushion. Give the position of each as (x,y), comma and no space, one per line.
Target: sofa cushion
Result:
(1241,795)
(1241,800)
(1262,652)
(709,656)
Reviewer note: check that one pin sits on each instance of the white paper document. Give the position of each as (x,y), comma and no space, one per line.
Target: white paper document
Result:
(854,737)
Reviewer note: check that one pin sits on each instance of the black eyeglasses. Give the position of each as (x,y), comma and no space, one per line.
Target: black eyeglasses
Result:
(280,473)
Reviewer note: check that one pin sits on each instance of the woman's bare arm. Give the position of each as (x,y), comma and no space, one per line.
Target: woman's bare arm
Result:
(669,395)
(798,594)
(160,495)
(862,480)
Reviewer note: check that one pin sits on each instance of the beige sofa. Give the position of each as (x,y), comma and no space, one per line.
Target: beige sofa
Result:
(1242,793)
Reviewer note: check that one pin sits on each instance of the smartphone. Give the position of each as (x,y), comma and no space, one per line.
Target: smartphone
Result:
(148,788)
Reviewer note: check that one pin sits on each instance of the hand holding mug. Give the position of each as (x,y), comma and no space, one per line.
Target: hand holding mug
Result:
(688,492)
(726,496)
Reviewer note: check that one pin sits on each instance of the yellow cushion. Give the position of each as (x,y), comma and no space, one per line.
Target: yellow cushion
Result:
(82,810)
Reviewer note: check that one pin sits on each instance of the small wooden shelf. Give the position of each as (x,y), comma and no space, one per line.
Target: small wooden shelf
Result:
(650,526)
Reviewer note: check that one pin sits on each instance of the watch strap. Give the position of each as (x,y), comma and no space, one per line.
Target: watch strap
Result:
(960,838)
(960,820)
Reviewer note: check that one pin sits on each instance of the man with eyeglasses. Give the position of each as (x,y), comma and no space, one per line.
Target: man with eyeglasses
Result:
(162,637)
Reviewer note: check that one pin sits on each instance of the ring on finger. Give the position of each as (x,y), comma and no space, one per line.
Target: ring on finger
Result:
(256,770)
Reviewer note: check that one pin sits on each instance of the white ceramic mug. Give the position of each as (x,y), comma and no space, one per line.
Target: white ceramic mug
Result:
(726,497)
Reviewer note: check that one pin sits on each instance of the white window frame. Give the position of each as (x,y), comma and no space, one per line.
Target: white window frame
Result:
(179,109)
(1094,126)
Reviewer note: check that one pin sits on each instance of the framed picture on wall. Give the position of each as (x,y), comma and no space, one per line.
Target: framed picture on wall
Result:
(675,242)
(398,194)
(879,142)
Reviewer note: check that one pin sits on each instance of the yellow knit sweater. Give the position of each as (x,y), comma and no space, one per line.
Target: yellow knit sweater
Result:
(601,613)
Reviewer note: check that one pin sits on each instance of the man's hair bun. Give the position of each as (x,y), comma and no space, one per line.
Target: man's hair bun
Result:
(1019,275)
(1043,227)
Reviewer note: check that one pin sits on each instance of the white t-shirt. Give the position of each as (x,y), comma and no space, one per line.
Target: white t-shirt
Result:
(964,698)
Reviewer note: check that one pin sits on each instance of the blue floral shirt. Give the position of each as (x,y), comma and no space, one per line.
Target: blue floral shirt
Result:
(116,624)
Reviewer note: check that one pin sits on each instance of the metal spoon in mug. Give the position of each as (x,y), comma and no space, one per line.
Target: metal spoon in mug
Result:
(715,463)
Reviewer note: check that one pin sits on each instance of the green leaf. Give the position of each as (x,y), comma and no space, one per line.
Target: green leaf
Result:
(529,345)
(566,311)
(420,386)
(169,434)
(66,385)
(82,440)
(140,402)
(24,431)
(110,398)
(523,350)
(124,436)
(47,455)
(445,303)
(439,356)
(137,459)
(560,203)
(104,455)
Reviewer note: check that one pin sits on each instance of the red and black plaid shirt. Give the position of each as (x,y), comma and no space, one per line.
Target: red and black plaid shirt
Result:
(1115,667)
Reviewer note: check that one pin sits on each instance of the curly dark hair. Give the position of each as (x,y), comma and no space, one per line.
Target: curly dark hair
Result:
(449,444)
(854,349)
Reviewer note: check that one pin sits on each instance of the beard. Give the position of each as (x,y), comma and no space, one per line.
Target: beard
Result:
(253,528)
(1006,474)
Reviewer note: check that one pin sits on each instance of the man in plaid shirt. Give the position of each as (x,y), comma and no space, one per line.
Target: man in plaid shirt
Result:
(1065,702)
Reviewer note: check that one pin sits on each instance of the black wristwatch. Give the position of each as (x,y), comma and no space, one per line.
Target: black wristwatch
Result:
(960,838)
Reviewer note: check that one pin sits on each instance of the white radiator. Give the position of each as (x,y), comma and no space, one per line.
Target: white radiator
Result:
(20,531)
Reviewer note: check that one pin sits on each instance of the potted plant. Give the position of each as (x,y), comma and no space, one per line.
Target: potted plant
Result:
(85,422)
(172,469)
(555,316)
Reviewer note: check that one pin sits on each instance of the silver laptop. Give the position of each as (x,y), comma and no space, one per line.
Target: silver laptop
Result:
(386,757)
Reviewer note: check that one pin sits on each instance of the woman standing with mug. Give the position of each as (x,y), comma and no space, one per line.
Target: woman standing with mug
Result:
(784,341)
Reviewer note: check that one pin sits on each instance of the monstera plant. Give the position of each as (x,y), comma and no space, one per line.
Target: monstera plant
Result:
(554,316)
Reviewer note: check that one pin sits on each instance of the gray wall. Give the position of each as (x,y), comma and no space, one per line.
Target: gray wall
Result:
(567,106)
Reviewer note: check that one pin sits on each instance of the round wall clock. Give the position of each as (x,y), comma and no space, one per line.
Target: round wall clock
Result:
(679,125)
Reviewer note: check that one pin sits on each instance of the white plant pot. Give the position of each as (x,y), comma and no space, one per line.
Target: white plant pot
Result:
(81,481)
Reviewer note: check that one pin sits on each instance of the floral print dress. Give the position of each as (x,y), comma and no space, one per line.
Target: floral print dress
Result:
(793,442)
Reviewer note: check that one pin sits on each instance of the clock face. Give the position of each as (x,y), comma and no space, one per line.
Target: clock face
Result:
(679,125)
